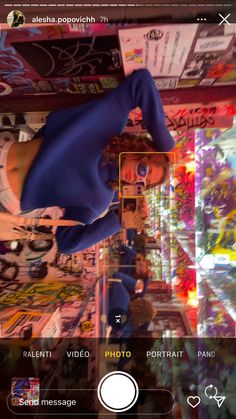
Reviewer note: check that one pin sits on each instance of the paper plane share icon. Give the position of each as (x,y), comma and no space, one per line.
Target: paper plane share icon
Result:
(219,400)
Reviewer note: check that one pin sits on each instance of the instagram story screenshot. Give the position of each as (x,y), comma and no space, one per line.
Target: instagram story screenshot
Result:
(117,209)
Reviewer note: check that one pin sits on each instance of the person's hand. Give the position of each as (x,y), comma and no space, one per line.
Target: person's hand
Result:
(139,286)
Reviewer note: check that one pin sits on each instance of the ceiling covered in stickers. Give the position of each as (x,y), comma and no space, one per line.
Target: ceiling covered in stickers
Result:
(92,59)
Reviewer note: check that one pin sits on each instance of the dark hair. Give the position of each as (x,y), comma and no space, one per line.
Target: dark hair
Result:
(128,142)
(141,311)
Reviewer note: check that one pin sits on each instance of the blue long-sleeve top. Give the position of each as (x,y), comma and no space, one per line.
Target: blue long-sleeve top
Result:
(127,258)
(69,169)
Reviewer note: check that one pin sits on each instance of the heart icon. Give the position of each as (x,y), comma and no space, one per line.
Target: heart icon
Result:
(193,401)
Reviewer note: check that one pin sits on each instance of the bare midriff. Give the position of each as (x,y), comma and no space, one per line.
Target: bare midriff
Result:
(19,160)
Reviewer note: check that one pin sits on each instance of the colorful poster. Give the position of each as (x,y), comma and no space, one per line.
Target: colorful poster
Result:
(163,49)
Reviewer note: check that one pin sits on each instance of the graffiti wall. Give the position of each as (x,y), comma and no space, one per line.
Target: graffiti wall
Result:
(87,59)
(61,60)
(38,280)
(188,117)
(215,226)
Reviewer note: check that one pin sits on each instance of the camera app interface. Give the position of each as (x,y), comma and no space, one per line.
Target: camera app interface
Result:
(117,210)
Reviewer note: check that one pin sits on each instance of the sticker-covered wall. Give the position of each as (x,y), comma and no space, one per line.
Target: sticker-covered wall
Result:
(52,59)
(87,59)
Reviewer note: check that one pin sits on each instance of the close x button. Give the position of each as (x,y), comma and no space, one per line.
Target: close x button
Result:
(224,19)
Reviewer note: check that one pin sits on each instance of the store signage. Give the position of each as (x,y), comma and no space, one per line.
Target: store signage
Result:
(218,115)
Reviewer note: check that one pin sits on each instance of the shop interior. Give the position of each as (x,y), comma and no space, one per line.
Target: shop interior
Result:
(176,252)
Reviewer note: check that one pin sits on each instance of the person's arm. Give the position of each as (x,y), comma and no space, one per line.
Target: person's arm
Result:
(75,239)
(118,297)
(138,90)
(101,119)
(127,281)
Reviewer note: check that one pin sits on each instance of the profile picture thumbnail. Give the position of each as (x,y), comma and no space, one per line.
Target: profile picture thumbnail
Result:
(25,391)
(16,19)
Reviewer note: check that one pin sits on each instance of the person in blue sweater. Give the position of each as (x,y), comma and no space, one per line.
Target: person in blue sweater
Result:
(72,161)
(124,294)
